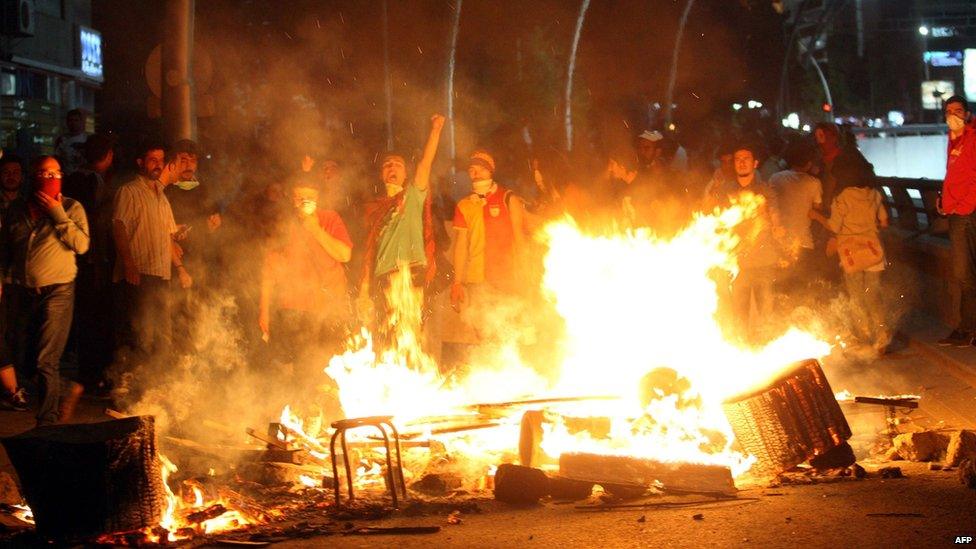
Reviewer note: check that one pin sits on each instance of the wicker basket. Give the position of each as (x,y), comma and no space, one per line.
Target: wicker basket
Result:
(794,419)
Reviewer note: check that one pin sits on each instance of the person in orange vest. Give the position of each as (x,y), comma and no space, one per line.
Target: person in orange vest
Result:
(489,228)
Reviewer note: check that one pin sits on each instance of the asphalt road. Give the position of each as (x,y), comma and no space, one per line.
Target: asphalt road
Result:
(848,513)
(834,514)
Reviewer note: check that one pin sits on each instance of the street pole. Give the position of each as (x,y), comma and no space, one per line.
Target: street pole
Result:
(387,79)
(452,143)
(585,5)
(823,82)
(673,75)
(178,106)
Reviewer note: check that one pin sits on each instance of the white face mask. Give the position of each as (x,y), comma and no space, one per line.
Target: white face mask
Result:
(188,185)
(955,123)
(392,189)
(481,187)
(308,206)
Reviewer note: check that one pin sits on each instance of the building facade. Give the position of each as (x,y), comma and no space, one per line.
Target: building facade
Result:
(50,63)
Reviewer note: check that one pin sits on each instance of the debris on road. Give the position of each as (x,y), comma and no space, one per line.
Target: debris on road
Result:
(891,472)
(922,446)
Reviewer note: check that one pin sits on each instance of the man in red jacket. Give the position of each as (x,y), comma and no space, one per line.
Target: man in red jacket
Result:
(958,202)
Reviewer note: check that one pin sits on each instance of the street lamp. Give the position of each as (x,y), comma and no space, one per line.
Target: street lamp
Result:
(923,30)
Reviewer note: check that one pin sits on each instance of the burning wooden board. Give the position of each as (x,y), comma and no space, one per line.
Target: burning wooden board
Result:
(634,471)
(90,479)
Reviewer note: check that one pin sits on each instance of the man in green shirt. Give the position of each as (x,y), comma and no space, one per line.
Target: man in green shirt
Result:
(400,227)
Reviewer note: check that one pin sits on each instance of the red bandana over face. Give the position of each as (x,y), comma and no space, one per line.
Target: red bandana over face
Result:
(50,187)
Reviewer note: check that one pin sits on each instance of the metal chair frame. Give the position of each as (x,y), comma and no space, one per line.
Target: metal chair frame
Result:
(393,474)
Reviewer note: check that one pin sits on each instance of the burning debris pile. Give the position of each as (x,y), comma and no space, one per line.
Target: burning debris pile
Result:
(647,394)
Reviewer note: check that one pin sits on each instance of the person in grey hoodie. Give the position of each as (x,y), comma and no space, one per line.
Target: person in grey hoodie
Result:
(857,215)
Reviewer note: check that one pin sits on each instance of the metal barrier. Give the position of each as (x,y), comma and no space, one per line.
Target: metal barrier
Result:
(912,205)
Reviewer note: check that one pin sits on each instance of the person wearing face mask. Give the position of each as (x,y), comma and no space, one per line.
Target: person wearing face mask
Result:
(304,308)
(958,202)
(39,240)
(400,230)
(489,236)
(199,218)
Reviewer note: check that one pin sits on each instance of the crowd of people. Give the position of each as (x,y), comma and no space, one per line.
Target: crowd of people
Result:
(117,272)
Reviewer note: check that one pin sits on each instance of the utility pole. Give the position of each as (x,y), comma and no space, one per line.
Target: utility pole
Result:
(452,142)
(387,79)
(570,70)
(178,93)
(673,75)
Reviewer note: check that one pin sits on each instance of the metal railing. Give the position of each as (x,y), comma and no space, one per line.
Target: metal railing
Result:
(911,129)
(912,204)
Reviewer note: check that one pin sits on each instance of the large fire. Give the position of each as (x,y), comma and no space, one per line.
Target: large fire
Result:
(632,303)
(643,354)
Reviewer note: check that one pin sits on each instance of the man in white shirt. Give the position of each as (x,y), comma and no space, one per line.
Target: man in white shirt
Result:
(797,193)
(68,147)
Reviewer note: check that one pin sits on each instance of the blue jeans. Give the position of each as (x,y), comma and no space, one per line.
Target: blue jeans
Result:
(962,239)
(43,317)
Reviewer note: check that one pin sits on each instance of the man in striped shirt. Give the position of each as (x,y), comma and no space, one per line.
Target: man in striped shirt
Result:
(147,253)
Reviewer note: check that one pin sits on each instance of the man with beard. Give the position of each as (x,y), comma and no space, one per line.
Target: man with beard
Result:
(147,253)
(759,251)
(199,218)
(400,228)
(39,240)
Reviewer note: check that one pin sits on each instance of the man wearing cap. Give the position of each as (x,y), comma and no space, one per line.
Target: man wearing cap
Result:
(400,228)
(489,230)
(654,195)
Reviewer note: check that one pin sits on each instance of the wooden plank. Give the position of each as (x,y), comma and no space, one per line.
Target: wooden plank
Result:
(266,439)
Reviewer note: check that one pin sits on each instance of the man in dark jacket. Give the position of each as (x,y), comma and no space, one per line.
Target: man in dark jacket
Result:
(91,330)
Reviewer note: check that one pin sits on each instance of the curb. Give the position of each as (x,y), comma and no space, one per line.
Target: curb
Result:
(958,368)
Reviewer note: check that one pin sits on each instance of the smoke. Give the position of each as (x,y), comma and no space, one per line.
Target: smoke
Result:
(306,80)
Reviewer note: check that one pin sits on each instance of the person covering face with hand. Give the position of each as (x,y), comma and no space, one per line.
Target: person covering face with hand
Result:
(39,240)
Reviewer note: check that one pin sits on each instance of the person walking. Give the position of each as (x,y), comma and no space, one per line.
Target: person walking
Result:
(39,240)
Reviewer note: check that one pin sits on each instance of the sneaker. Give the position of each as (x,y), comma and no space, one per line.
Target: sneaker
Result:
(16,401)
(957,338)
